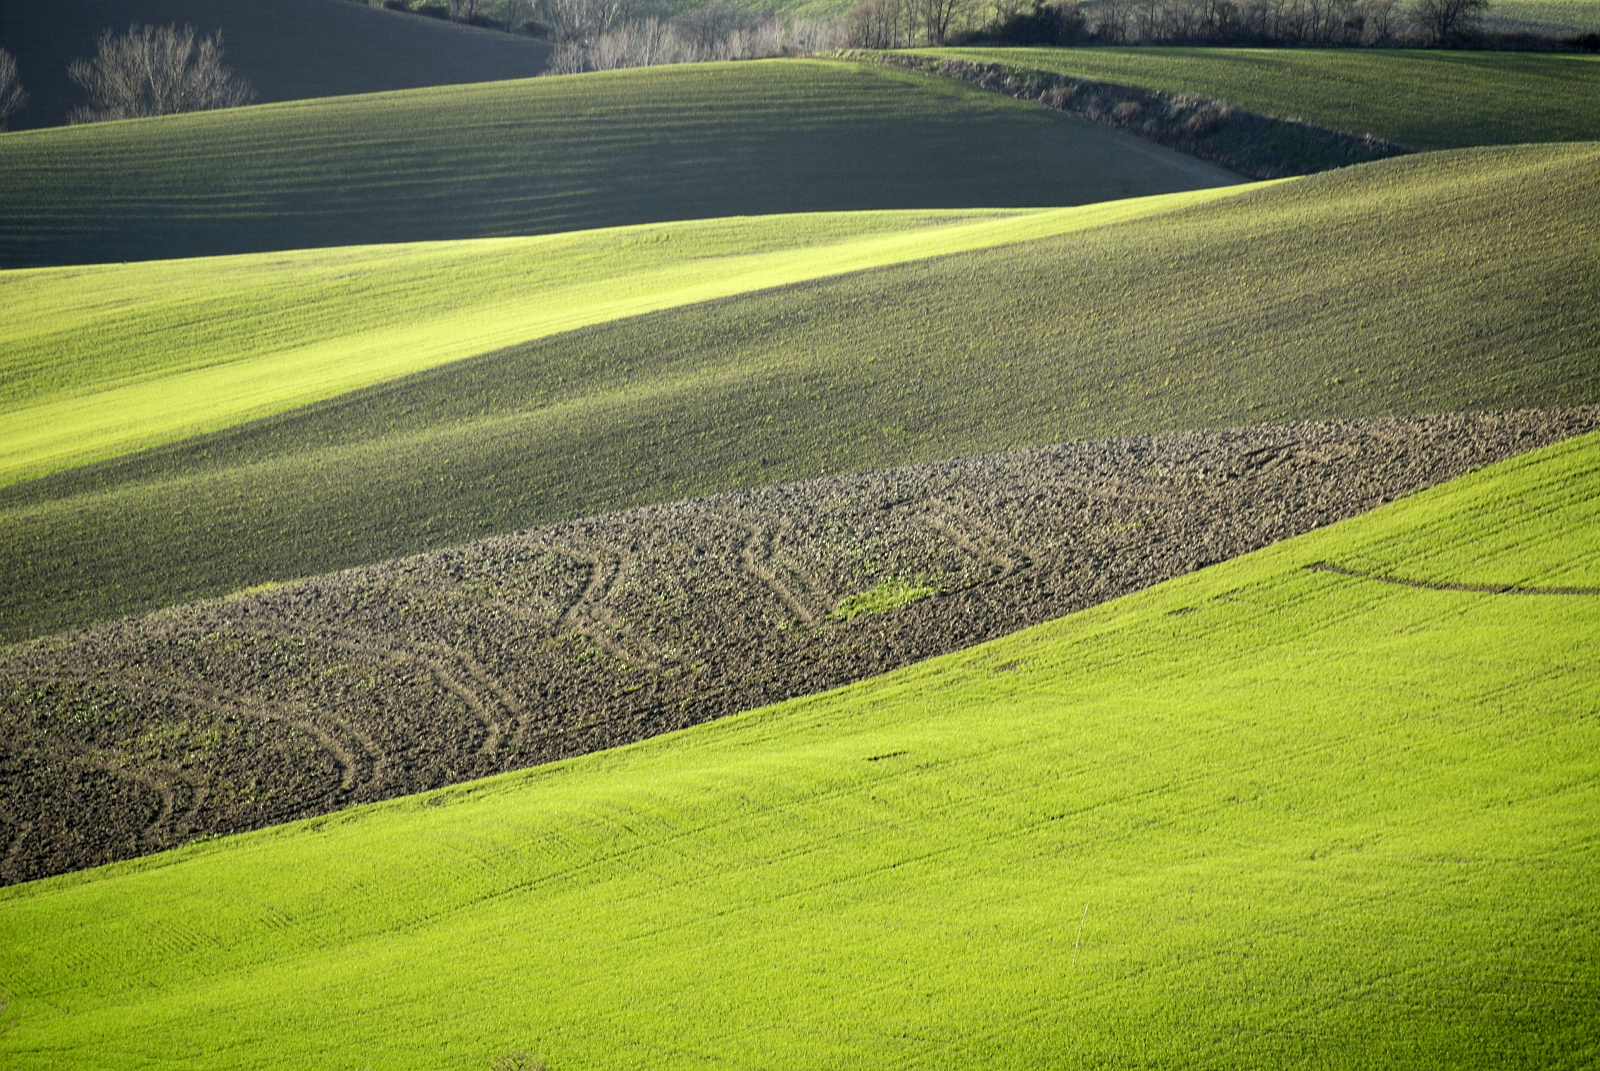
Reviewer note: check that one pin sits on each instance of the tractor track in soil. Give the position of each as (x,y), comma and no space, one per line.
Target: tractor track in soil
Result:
(132,736)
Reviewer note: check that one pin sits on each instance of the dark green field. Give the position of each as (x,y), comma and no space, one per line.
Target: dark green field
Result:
(554,154)
(1451,281)
(1422,100)
(286,49)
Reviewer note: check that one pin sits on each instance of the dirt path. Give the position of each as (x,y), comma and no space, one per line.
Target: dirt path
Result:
(243,712)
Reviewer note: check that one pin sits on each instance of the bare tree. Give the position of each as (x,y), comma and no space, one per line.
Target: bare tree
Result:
(581,20)
(1443,20)
(940,17)
(881,24)
(12,96)
(512,12)
(150,71)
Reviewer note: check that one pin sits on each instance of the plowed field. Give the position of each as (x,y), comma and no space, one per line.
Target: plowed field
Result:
(377,682)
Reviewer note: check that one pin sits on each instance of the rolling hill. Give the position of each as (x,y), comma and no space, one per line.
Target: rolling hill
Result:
(103,360)
(1558,17)
(1434,99)
(298,699)
(1436,283)
(286,49)
(1330,803)
(555,154)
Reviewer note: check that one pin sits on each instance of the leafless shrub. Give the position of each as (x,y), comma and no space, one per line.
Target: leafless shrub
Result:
(883,24)
(12,96)
(567,58)
(719,32)
(1442,21)
(151,71)
(1280,22)
(583,20)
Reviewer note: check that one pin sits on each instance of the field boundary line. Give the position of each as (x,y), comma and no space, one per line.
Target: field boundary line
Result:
(1437,585)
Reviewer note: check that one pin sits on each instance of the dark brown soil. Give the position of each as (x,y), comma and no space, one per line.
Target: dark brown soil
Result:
(229,715)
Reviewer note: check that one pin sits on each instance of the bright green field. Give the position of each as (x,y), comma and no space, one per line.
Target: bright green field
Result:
(100,361)
(1424,100)
(1261,816)
(554,154)
(1452,281)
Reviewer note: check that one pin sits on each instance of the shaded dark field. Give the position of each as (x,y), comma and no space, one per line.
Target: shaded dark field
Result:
(383,681)
(1437,283)
(287,49)
(543,155)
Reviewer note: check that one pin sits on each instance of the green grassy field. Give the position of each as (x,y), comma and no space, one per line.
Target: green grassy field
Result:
(1545,16)
(554,154)
(1423,100)
(1457,281)
(100,361)
(1263,815)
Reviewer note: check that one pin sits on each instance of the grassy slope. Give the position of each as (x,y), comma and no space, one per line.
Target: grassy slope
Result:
(1301,819)
(99,361)
(1425,100)
(729,395)
(286,49)
(1424,284)
(1545,16)
(554,154)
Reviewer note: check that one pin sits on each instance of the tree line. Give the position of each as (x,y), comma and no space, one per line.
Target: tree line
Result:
(646,31)
(903,23)
(151,71)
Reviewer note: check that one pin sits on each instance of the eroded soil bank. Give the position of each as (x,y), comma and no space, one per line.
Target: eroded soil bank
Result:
(233,714)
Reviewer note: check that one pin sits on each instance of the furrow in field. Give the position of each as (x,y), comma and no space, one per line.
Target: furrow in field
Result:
(1438,585)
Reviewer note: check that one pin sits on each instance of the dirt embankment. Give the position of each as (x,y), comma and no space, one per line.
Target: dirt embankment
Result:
(229,715)
(1259,146)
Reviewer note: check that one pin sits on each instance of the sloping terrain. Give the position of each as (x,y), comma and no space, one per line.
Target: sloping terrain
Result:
(1434,99)
(1329,804)
(286,49)
(103,360)
(388,680)
(1449,282)
(555,154)
(1557,17)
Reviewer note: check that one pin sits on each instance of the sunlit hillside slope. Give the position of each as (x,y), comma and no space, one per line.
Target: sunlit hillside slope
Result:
(1423,284)
(103,360)
(1330,804)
